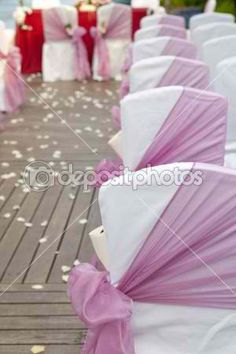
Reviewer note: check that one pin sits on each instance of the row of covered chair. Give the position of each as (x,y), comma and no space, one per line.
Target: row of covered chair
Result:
(164,280)
(12,89)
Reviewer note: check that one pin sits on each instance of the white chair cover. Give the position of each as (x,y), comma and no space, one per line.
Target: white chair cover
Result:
(160,30)
(163,328)
(218,49)
(210,6)
(155,47)
(153,20)
(166,71)
(172,124)
(45,4)
(117,46)
(208,18)
(215,30)
(226,85)
(57,65)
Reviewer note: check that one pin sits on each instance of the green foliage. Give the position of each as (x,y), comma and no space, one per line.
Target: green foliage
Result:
(226,6)
(223,5)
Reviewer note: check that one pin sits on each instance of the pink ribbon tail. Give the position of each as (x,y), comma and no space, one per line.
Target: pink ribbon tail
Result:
(81,62)
(115,112)
(105,310)
(102,53)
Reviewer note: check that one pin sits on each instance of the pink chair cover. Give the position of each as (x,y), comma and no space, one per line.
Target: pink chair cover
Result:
(14,82)
(182,72)
(55,30)
(188,259)
(118,27)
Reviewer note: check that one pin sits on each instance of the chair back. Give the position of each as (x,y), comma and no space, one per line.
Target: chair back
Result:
(208,18)
(171,124)
(172,20)
(225,84)
(167,71)
(160,30)
(155,47)
(59,23)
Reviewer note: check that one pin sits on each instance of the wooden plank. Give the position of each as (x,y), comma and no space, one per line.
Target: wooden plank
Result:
(46,252)
(36,309)
(72,238)
(34,298)
(26,250)
(86,251)
(58,336)
(40,322)
(15,199)
(15,232)
(30,287)
(49,349)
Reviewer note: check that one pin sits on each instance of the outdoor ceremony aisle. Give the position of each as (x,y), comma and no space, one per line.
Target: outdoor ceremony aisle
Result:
(61,124)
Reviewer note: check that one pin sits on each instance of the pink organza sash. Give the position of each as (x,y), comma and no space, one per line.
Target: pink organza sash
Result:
(81,61)
(55,30)
(188,259)
(180,48)
(194,131)
(193,74)
(118,27)
(167,30)
(14,83)
(177,21)
(106,170)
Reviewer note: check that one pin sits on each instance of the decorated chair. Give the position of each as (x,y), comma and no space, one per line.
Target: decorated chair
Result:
(64,52)
(208,18)
(163,71)
(167,71)
(112,37)
(12,88)
(153,20)
(169,124)
(45,4)
(170,281)
(225,84)
(155,47)
(214,30)
(160,30)
(218,49)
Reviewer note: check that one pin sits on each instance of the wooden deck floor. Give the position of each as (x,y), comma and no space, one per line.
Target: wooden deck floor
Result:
(43,231)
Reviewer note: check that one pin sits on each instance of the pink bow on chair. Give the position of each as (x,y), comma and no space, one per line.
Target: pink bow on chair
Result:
(102,54)
(82,67)
(104,309)
(14,83)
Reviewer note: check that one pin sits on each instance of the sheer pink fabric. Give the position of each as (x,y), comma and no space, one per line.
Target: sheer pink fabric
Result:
(180,48)
(118,27)
(188,259)
(55,30)
(14,83)
(175,46)
(177,21)
(172,31)
(188,73)
(194,131)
